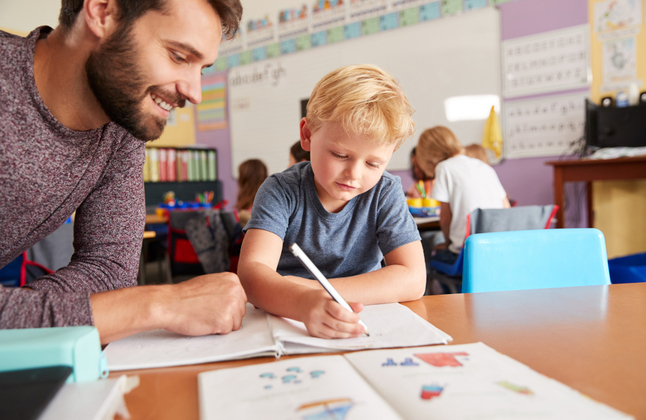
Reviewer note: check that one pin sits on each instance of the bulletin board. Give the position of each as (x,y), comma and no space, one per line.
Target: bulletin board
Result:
(453,56)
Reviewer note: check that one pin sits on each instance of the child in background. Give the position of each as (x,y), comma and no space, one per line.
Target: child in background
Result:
(477,152)
(418,175)
(251,174)
(342,209)
(462,184)
(297,154)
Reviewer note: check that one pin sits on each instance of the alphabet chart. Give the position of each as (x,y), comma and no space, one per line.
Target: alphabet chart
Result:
(547,62)
(543,126)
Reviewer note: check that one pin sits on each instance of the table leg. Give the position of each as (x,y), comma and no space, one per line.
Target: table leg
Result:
(559,197)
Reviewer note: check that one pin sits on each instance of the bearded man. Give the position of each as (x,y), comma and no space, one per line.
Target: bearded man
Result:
(77,104)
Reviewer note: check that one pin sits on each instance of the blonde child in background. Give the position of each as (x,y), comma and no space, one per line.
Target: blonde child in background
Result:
(297,154)
(477,152)
(462,184)
(342,209)
(251,174)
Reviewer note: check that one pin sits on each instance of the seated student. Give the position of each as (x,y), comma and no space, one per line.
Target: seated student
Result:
(342,209)
(462,184)
(297,154)
(251,174)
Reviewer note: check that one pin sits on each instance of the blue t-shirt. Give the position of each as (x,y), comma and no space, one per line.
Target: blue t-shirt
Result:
(350,242)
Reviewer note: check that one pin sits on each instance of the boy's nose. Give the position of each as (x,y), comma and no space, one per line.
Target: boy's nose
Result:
(353,170)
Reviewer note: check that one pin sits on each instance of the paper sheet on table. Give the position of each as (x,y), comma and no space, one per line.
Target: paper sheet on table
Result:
(160,348)
(390,325)
(323,387)
(470,381)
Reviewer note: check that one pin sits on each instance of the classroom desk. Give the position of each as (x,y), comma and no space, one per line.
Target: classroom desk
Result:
(427,223)
(592,170)
(591,338)
(153,219)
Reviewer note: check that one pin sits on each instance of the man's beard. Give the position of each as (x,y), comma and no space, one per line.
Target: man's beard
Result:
(118,84)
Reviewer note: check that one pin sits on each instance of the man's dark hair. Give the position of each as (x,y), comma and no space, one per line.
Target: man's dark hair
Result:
(229,11)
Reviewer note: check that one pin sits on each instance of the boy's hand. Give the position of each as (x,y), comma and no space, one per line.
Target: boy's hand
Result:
(324,318)
(441,246)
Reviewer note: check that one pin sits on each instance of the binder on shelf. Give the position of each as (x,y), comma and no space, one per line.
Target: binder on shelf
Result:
(212,164)
(172,165)
(163,165)
(154,165)
(204,171)
(147,166)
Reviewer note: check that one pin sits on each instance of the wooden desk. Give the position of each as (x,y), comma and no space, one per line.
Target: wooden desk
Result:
(428,223)
(591,338)
(592,170)
(153,219)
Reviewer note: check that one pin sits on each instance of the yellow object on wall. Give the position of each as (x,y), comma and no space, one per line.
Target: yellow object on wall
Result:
(180,130)
(619,206)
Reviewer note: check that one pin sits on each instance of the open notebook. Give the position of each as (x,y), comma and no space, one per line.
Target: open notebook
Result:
(468,381)
(262,334)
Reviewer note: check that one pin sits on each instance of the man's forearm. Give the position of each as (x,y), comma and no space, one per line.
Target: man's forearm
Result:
(120,313)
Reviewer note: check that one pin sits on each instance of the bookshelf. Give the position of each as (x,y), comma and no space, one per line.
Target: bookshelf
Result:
(184,170)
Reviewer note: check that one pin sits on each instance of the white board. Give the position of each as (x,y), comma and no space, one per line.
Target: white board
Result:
(452,56)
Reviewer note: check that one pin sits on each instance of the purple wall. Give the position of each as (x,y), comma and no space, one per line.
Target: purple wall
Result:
(528,181)
(221,140)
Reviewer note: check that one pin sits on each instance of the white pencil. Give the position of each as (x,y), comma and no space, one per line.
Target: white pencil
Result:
(304,259)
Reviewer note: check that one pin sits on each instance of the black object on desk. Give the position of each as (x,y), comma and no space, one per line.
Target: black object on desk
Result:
(25,393)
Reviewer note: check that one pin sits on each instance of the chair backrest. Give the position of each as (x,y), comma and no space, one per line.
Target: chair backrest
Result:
(534,259)
(513,218)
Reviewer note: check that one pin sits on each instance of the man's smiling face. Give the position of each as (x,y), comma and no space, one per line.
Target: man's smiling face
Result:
(146,69)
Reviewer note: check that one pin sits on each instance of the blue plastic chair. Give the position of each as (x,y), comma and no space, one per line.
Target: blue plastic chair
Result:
(534,259)
(491,220)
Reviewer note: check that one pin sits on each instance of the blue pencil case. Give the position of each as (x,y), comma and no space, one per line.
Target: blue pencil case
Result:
(76,347)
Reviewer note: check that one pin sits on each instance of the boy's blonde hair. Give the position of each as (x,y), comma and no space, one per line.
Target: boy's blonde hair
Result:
(435,145)
(364,100)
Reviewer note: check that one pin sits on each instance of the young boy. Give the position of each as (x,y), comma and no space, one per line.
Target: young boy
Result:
(341,208)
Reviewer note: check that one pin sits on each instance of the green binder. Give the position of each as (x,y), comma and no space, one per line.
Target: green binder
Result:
(76,347)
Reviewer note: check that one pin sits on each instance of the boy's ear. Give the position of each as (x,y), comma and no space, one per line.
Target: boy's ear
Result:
(306,135)
(101,17)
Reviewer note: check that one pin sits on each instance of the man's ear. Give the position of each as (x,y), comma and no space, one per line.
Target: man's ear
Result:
(101,17)
(306,135)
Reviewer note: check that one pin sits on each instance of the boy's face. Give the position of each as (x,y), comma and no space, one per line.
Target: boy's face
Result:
(344,164)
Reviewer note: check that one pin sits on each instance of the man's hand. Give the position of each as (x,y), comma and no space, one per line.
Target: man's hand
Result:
(209,304)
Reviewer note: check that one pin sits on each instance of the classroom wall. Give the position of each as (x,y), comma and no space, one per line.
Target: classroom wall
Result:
(619,206)
(530,181)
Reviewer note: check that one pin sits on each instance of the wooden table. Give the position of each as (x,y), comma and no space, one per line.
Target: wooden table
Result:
(591,338)
(592,170)
(153,219)
(427,223)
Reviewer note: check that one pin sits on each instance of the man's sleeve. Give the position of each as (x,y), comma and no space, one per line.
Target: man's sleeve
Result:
(108,229)
(24,308)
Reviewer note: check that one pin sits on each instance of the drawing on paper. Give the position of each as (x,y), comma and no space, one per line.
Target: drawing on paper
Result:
(291,377)
(441,359)
(335,409)
(616,14)
(516,388)
(431,391)
(389,362)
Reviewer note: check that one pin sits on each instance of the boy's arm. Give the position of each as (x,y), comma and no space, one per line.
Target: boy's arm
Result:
(299,299)
(403,278)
